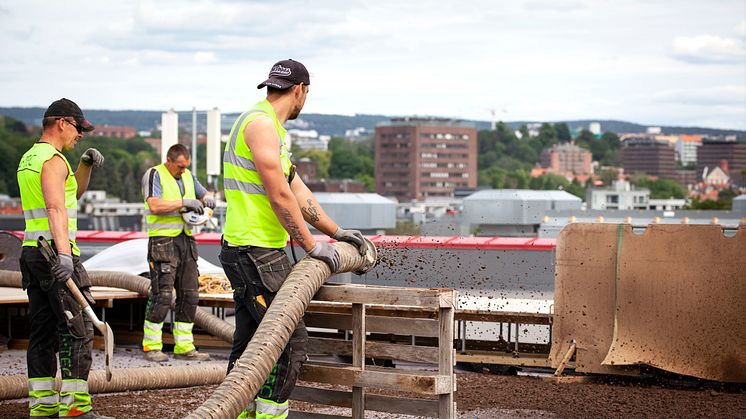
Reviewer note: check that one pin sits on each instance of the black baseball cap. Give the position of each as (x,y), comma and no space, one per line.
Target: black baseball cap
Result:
(68,108)
(285,74)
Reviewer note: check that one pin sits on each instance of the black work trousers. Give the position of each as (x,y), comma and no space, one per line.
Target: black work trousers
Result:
(58,323)
(173,265)
(256,275)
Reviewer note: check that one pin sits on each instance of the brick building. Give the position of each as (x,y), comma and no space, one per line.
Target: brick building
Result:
(567,160)
(113,131)
(417,158)
(649,156)
(713,151)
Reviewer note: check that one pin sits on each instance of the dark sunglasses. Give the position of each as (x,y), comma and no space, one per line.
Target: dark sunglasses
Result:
(73,123)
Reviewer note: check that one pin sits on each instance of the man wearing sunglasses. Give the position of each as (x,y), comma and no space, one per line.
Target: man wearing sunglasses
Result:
(49,194)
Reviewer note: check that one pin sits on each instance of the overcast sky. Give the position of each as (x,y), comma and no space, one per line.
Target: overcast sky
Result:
(655,62)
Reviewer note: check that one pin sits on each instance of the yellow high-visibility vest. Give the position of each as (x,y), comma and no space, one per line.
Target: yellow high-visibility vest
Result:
(32,200)
(250,220)
(171,224)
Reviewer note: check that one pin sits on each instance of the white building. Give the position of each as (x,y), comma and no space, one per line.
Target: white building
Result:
(687,150)
(621,196)
(594,128)
(307,139)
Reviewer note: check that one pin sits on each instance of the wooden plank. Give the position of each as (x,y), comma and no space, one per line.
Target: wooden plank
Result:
(365,294)
(102,295)
(358,358)
(489,316)
(378,403)
(418,382)
(446,360)
(503,317)
(339,398)
(298,414)
(497,358)
(378,350)
(375,324)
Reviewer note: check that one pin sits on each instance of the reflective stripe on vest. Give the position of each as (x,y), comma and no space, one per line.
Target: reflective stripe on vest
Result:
(171,224)
(32,199)
(267,409)
(250,219)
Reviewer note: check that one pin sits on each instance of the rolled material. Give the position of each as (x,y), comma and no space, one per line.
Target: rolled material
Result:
(273,333)
(128,379)
(124,379)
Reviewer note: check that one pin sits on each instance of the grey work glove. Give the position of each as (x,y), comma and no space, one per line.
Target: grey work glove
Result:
(92,157)
(352,236)
(192,205)
(63,269)
(209,202)
(327,253)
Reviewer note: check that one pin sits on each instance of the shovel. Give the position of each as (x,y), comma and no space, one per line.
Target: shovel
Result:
(51,257)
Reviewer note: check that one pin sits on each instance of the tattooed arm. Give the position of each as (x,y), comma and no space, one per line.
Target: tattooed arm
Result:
(262,139)
(312,211)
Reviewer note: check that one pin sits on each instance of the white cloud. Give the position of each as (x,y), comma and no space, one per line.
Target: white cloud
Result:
(537,59)
(204,57)
(741,29)
(709,49)
(710,96)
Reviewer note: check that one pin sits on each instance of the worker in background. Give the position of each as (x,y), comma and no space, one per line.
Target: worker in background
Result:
(170,190)
(49,194)
(266,201)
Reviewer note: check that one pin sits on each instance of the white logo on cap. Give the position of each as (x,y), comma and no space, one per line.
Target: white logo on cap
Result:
(279,70)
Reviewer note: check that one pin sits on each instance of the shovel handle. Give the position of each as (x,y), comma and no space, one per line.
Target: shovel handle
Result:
(76,293)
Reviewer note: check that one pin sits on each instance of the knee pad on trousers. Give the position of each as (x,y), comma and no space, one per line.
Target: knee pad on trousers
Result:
(191,297)
(160,307)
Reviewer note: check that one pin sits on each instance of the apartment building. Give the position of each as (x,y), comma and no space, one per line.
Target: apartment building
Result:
(649,156)
(417,158)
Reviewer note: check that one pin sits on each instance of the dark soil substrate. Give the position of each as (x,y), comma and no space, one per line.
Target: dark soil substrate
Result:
(484,393)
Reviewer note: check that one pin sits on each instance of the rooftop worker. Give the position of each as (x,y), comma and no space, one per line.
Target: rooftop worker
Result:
(170,189)
(266,201)
(49,195)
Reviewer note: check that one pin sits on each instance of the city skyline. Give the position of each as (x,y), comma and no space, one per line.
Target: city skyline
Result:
(659,63)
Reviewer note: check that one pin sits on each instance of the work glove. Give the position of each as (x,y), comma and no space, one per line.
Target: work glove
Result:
(327,253)
(63,269)
(92,157)
(352,236)
(209,202)
(192,205)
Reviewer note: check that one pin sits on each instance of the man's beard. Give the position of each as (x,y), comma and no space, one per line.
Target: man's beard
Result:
(295,113)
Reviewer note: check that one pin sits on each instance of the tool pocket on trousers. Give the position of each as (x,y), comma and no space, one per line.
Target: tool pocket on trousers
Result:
(273,267)
(193,246)
(162,249)
(80,275)
(73,314)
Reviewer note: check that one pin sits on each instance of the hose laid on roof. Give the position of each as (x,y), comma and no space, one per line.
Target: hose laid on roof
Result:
(206,321)
(16,386)
(287,308)
(128,379)
(250,371)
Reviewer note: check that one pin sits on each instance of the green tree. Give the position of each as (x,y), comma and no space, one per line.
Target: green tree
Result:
(661,188)
(322,159)
(563,132)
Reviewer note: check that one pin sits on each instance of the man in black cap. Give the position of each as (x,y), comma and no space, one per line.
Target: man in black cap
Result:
(49,194)
(266,201)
